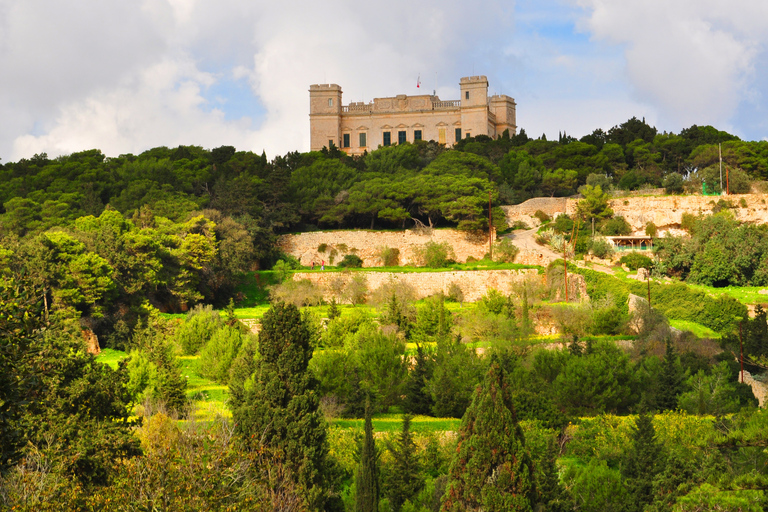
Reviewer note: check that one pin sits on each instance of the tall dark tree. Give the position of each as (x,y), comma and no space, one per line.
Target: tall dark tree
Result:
(670,380)
(643,461)
(491,470)
(417,397)
(406,477)
(367,479)
(276,407)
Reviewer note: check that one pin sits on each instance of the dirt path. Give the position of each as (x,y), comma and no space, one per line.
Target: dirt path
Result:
(525,240)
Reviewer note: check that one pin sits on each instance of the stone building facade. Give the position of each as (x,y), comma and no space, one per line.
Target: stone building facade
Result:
(360,127)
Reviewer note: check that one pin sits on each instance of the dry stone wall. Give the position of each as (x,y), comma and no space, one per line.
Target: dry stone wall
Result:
(368,244)
(473,284)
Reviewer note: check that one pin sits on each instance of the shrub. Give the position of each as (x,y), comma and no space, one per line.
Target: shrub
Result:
(219,353)
(389,256)
(299,293)
(601,248)
(436,255)
(455,293)
(635,260)
(357,289)
(650,229)
(351,261)
(505,251)
(197,328)
(616,226)
(543,217)
(322,247)
(563,224)
(673,183)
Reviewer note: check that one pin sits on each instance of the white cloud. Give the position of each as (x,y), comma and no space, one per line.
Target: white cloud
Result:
(692,59)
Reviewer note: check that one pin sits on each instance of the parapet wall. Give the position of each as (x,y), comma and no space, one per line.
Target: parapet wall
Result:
(473,284)
(665,212)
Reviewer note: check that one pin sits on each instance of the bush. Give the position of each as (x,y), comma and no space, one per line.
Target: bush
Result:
(351,261)
(455,293)
(299,293)
(543,217)
(219,353)
(436,255)
(650,229)
(563,224)
(601,248)
(198,327)
(635,260)
(389,256)
(505,251)
(673,183)
(616,226)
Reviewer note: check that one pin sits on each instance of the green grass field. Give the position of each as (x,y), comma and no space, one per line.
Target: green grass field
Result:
(111,357)
(388,422)
(699,330)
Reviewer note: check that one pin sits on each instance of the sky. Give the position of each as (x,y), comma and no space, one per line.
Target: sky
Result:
(128,76)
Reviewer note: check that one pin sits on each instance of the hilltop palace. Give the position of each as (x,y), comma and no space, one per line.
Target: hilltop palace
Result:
(360,127)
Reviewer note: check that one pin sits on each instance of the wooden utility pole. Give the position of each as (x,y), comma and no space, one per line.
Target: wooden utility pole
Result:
(490,226)
(741,357)
(648,280)
(565,268)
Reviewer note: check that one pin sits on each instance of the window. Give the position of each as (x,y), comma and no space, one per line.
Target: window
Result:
(467,135)
(466,95)
(400,137)
(330,102)
(387,138)
(458,134)
(346,140)
(441,136)
(363,140)
(416,134)
(330,144)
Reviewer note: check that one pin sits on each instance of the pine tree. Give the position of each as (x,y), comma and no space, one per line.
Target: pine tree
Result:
(276,407)
(406,478)
(417,397)
(642,462)
(491,470)
(670,380)
(367,479)
(333,310)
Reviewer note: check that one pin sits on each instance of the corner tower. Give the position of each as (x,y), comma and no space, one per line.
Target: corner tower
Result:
(324,116)
(474,105)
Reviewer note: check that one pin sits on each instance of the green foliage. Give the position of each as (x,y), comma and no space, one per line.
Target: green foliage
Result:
(436,254)
(616,226)
(389,256)
(601,248)
(275,405)
(673,183)
(594,205)
(197,328)
(635,260)
(405,476)
(351,261)
(710,394)
(220,352)
(543,217)
(504,251)
(367,477)
(491,451)
(596,487)
(456,372)
(642,462)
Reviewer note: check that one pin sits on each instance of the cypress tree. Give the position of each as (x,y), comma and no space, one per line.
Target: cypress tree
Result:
(367,480)
(670,380)
(407,478)
(491,470)
(276,407)
(642,462)
(417,397)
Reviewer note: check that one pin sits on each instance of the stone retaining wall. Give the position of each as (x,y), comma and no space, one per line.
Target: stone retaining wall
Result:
(368,244)
(665,212)
(473,284)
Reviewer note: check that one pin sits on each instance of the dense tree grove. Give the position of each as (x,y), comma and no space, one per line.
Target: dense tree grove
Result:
(150,253)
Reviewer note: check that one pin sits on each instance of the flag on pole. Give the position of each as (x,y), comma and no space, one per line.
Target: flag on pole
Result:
(418,81)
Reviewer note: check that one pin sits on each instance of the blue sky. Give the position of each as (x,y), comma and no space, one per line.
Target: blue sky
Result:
(127,76)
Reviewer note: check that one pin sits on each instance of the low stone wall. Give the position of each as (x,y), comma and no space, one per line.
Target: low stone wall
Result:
(368,244)
(473,284)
